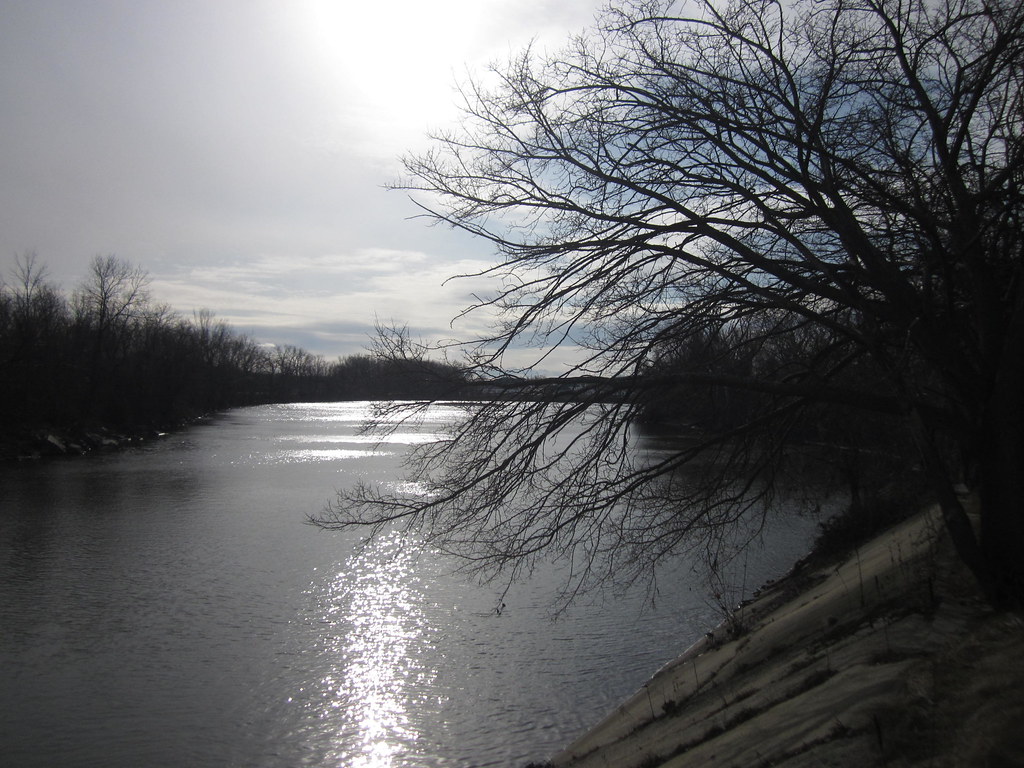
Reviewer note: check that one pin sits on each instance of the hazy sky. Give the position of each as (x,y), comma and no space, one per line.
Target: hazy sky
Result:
(237,150)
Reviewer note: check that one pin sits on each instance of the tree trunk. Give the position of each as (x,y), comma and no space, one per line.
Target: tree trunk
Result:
(1001,471)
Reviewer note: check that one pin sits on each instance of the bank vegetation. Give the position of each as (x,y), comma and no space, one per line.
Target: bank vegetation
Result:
(107,361)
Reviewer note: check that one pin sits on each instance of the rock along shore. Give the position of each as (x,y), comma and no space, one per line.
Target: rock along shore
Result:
(45,443)
(890,658)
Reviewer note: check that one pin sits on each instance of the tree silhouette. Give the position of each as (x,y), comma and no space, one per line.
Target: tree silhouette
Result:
(843,175)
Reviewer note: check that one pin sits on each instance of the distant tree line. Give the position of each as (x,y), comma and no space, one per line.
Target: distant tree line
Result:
(734,376)
(109,355)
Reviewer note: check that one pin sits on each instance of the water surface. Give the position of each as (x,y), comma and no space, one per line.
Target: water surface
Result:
(167,606)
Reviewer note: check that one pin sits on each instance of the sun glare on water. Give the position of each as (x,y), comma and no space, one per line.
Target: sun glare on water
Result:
(374,607)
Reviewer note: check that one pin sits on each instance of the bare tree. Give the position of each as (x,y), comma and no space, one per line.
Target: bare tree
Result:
(392,341)
(850,169)
(36,305)
(113,293)
(30,278)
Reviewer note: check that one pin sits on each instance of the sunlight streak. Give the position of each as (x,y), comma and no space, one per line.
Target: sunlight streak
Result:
(374,603)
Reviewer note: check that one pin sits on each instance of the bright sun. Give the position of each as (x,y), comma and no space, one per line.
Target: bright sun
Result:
(387,72)
(388,63)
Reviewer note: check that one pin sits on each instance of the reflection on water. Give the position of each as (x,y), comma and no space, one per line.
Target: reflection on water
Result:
(326,454)
(409,438)
(168,607)
(373,608)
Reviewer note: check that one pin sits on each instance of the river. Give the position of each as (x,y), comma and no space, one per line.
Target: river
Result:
(167,606)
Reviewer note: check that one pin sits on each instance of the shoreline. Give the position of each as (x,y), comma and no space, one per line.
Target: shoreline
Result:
(891,656)
(42,443)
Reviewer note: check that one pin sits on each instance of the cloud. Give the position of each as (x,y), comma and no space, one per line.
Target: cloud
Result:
(238,150)
(332,299)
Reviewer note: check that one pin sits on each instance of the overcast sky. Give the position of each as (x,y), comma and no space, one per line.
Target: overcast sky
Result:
(237,150)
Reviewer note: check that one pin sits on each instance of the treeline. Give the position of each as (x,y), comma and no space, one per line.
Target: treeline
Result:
(107,354)
(778,385)
(731,372)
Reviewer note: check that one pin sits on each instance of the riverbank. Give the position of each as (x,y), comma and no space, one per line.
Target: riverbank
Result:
(891,657)
(42,442)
